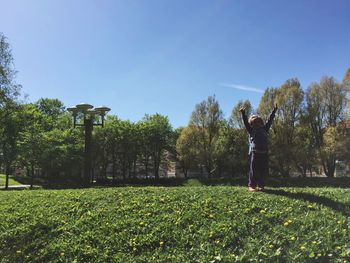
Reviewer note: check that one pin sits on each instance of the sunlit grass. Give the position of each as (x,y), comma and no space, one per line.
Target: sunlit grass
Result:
(12,181)
(175,224)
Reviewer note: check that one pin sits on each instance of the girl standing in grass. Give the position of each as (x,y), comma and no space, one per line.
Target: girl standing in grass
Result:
(258,148)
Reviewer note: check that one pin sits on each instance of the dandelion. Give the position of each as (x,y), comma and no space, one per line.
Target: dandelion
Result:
(18,251)
(211,216)
(161,243)
(302,247)
(62,254)
(339,222)
(286,223)
(292,238)
(314,242)
(211,233)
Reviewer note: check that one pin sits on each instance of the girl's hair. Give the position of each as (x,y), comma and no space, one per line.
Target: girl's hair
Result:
(256,121)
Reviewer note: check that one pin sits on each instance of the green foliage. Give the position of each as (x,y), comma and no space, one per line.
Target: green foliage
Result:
(187,148)
(206,118)
(9,121)
(9,89)
(179,224)
(326,103)
(235,119)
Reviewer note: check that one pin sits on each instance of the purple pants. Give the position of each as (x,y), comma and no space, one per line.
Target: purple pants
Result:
(259,169)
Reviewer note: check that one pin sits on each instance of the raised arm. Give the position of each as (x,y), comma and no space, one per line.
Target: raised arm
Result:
(245,120)
(270,119)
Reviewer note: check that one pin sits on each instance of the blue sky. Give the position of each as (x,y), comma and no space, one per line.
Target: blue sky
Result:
(148,56)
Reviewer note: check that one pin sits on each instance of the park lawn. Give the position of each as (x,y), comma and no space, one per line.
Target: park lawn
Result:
(12,181)
(175,224)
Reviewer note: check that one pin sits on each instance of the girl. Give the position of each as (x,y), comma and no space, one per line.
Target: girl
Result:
(258,148)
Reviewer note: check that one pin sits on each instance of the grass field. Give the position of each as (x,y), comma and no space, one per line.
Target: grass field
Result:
(12,181)
(175,224)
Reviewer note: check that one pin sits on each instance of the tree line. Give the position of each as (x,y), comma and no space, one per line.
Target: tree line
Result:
(310,132)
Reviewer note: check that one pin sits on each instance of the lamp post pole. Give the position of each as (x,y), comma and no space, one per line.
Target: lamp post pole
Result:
(87,113)
(88,124)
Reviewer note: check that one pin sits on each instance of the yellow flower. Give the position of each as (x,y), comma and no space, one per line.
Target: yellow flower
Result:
(314,242)
(62,254)
(302,247)
(292,238)
(18,251)
(161,243)
(286,224)
(211,234)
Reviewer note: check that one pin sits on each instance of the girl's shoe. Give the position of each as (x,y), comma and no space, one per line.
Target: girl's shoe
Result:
(251,189)
(260,188)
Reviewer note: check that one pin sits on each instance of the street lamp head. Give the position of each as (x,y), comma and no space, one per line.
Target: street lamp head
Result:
(74,110)
(92,112)
(83,107)
(102,110)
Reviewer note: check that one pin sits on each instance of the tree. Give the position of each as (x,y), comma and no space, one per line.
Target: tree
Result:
(346,85)
(30,139)
(235,119)
(62,157)
(9,91)
(325,107)
(53,110)
(206,118)
(187,148)
(159,134)
(289,98)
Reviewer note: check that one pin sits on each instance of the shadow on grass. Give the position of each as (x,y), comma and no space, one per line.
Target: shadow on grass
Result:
(321,200)
(343,182)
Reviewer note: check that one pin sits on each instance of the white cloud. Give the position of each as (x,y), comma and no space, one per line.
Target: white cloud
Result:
(241,87)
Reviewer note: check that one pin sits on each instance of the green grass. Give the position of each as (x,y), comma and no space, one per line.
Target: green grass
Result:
(12,181)
(175,224)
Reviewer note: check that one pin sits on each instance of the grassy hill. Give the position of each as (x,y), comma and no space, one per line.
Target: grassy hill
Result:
(175,224)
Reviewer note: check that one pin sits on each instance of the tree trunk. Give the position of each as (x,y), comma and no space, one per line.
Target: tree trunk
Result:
(32,175)
(156,168)
(134,173)
(146,167)
(7,171)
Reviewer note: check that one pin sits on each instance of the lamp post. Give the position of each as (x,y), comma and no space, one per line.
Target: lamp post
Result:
(88,113)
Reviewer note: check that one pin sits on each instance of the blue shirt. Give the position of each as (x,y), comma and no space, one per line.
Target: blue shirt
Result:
(258,137)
